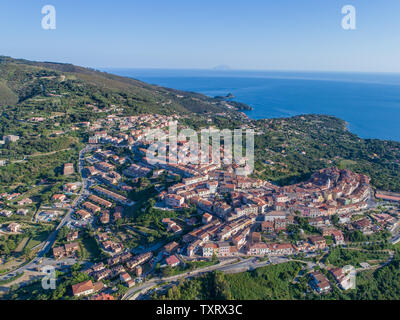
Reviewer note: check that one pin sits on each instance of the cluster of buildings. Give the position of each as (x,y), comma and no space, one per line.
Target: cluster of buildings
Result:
(344,277)
(234,205)
(9,139)
(240,215)
(67,250)
(103,170)
(127,130)
(119,266)
(98,206)
(108,245)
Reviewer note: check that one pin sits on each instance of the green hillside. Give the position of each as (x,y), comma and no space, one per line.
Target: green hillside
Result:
(22,80)
(287,150)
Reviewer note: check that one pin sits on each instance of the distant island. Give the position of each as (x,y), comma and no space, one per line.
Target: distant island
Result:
(222,67)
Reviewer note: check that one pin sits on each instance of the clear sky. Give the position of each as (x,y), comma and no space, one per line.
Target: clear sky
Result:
(247,34)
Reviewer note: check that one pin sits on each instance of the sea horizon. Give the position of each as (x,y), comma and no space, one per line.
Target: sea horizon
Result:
(369,102)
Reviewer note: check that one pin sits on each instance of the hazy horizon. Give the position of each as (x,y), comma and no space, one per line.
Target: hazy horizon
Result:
(259,35)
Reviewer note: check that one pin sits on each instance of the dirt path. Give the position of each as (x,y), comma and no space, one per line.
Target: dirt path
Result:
(22,245)
(46,154)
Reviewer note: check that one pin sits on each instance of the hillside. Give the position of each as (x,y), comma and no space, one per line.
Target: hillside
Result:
(287,150)
(21,81)
(290,149)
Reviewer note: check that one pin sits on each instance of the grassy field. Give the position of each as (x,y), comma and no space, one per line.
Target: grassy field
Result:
(37,239)
(21,245)
(90,249)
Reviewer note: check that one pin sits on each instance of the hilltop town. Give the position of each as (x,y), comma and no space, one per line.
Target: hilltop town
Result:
(208,211)
(95,202)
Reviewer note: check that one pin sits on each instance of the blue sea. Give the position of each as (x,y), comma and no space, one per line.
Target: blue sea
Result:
(370,103)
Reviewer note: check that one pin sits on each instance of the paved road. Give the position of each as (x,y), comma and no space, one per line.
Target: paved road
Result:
(134,292)
(46,246)
(227,266)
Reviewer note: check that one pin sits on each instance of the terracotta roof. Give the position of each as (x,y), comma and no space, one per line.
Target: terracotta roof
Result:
(172,260)
(82,287)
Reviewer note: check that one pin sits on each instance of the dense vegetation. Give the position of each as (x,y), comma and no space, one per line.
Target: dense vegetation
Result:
(298,146)
(341,257)
(23,80)
(265,283)
(65,95)
(287,281)
(35,291)
(286,151)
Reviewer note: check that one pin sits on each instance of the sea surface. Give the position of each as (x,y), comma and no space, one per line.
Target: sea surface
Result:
(370,103)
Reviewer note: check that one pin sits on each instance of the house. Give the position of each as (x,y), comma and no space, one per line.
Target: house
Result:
(112,195)
(221,249)
(172,261)
(280,249)
(68,169)
(173,200)
(102,274)
(258,249)
(66,250)
(100,201)
(274,215)
(267,226)
(338,237)
(70,187)
(58,252)
(362,224)
(176,229)
(240,239)
(318,241)
(58,197)
(86,288)
(6,213)
(139,271)
(70,248)
(171,225)
(83,214)
(104,166)
(343,277)
(319,282)
(386,197)
(102,296)
(105,218)
(72,236)
(14,227)
(171,247)
(222,209)
(24,202)
(192,248)
(206,218)
(10,138)
(125,277)
(91,207)
(98,266)
(22,212)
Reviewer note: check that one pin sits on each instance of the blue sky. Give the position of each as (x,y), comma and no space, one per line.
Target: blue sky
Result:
(251,34)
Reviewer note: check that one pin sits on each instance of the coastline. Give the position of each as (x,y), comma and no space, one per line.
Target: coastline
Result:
(367,102)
